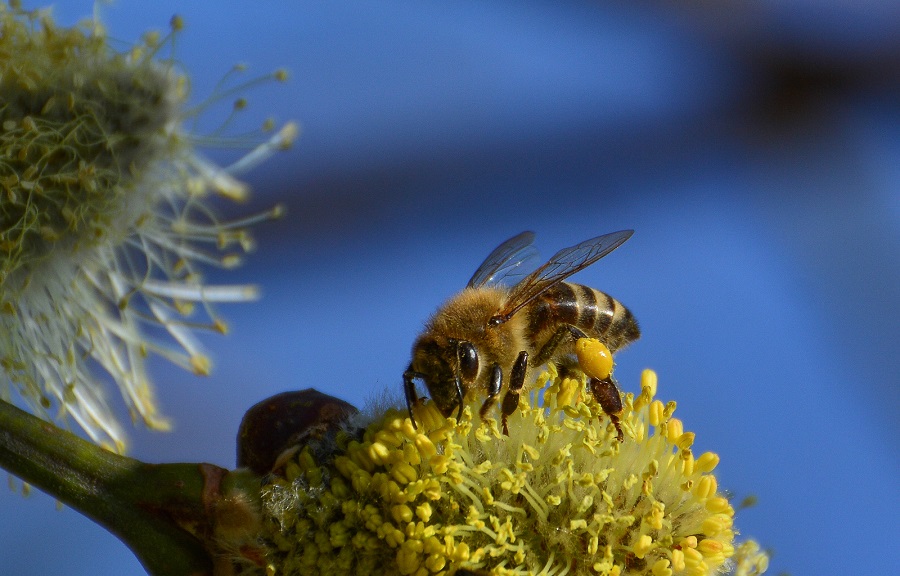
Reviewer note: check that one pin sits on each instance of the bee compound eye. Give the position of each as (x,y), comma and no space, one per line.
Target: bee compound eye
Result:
(468,361)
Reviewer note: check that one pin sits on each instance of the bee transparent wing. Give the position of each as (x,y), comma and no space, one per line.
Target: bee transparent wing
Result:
(562,265)
(505,261)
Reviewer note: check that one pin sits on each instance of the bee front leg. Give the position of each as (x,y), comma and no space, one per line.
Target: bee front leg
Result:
(516,383)
(409,389)
(493,390)
(459,398)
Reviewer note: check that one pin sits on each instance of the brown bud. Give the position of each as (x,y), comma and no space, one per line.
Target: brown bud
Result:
(287,421)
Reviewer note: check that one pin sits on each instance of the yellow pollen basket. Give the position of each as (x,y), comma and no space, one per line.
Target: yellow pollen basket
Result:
(594,358)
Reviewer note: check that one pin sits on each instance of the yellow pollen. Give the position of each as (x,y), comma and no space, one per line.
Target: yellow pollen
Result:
(656,413)
(678,563)
(649,382)
(569,391)
(718,505)
(594,358)
(674,430)
(707,462)
(706,487)
(643,546)
(686,440)
(661,568)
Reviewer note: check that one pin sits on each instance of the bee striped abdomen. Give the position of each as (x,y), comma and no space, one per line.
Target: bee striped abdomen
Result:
(596,313)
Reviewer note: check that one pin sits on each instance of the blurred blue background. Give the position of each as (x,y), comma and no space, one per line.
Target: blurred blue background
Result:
(754,148)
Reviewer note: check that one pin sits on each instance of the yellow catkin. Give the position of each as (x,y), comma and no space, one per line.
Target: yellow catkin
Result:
(461,494)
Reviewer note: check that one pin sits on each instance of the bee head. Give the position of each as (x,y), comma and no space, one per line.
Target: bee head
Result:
(448,367)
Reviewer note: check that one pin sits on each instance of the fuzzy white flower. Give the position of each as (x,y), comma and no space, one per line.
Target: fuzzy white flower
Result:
(105,221)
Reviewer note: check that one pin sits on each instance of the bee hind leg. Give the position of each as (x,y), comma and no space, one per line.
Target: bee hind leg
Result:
(606,393)
(516,383)
(604,390)
(549,348)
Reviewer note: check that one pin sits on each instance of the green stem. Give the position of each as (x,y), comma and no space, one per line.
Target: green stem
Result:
(163,512)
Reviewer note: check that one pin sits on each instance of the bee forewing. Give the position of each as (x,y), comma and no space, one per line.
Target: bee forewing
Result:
(562,265)
(506,261)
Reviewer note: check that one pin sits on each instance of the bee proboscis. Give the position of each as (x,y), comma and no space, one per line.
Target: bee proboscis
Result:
(488,337)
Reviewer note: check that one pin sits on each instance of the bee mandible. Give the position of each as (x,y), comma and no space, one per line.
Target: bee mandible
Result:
(488,330)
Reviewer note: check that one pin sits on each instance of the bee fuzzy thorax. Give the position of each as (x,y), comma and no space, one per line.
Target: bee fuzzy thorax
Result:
(469,308)
(467,317)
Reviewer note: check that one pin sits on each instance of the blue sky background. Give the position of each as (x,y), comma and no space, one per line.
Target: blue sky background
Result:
(755,149)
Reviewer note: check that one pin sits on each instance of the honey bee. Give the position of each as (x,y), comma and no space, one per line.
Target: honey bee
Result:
(489,330)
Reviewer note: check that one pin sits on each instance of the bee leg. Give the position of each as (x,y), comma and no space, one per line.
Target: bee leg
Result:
(493,390)
(546,352)
(459,397)
(409,388)
(516,383)
(606,393)
(576,331)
